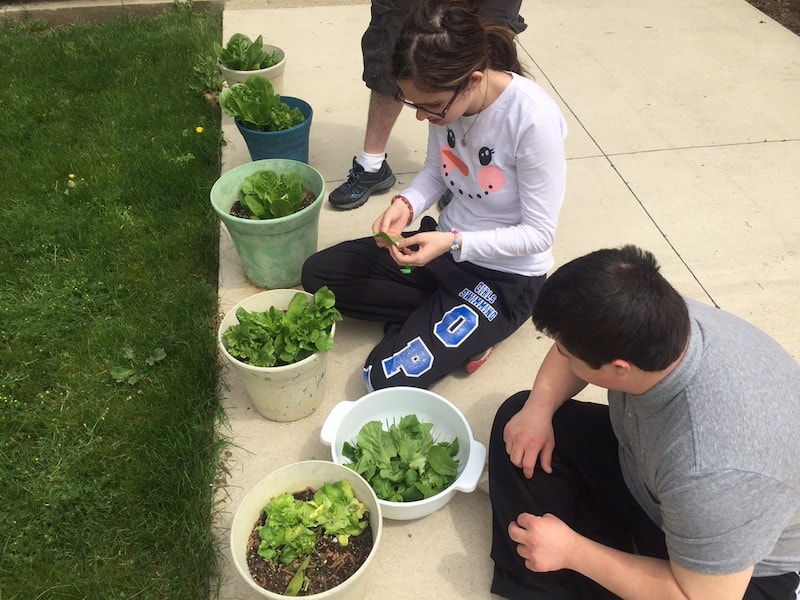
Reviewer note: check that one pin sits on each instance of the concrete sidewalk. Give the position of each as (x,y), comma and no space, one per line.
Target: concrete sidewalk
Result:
(684,139)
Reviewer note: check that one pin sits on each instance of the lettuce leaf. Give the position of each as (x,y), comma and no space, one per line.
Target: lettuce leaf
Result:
(293,525)
(403,462)
(281,337)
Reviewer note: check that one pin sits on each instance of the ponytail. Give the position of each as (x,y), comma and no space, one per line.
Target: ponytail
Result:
(502,48)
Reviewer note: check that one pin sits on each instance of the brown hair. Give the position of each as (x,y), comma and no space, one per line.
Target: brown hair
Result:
(442,42)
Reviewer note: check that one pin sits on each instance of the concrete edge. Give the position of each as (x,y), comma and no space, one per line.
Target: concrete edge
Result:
(70,13)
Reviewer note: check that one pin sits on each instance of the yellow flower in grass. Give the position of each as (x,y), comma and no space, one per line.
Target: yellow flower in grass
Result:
(199,129)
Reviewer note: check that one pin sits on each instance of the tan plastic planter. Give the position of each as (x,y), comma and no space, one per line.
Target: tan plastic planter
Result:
(273,73)
(286,393)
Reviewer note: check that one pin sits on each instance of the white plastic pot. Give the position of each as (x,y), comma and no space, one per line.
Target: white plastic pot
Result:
(285,393)
(391,404)
(273,73)
(293,478)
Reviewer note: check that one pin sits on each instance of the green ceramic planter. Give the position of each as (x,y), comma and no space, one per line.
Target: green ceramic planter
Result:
(272,251)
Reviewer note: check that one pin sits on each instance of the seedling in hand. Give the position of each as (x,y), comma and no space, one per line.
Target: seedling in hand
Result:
(394,241)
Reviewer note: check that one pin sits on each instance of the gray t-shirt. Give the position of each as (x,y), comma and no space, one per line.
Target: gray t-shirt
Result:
(712,452)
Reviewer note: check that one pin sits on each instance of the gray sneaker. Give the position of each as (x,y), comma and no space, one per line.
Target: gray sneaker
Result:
(359,185)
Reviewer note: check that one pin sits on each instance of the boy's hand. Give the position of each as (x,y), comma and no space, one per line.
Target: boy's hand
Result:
(546,543)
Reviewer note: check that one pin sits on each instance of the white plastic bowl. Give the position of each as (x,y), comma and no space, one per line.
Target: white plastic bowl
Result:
(389,406)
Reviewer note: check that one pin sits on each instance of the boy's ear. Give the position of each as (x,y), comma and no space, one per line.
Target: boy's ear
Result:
(622,365)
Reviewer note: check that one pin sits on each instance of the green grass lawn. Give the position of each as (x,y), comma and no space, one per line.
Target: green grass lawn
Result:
(109,457)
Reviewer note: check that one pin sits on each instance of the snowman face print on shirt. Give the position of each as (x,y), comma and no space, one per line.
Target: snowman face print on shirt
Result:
(469,173)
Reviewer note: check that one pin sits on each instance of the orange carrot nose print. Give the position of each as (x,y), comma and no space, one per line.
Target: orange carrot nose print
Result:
(456,162)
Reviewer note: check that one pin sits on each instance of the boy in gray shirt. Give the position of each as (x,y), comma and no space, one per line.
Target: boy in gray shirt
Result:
(685,486)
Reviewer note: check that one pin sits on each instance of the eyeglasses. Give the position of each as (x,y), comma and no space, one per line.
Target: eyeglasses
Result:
(439,115)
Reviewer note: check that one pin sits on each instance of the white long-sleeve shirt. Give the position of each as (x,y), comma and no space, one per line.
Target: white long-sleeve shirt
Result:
(508,179)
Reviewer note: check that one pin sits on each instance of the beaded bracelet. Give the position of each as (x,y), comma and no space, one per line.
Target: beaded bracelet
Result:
(456,243)
(408,205)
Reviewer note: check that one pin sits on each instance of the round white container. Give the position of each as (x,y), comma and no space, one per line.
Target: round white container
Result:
(274,73)
(285,393)
(388,406)
(293,478)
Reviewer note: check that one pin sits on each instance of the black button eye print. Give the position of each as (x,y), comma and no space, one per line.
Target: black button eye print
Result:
(451,138)
(484,154)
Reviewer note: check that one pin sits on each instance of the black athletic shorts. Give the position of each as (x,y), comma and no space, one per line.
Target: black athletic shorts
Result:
(377,43)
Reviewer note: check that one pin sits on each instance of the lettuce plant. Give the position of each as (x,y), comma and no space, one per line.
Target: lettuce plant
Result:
(276,337)
(243,54)
(256,106)
(267,194)
(293,525)
(403,463)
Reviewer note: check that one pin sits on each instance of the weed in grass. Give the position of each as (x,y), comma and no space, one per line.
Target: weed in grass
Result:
(207,75)
(134,370)
(108,257)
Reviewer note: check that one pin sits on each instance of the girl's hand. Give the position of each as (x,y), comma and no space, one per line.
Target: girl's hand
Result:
(392,221)
(427,246)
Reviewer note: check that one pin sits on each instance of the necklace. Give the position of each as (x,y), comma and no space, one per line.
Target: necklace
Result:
(477,115)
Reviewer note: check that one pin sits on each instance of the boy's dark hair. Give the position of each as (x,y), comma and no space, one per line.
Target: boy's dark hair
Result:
(442,42)
(614,304)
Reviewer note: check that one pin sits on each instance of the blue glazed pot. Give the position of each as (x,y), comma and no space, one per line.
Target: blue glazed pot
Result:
(289,143)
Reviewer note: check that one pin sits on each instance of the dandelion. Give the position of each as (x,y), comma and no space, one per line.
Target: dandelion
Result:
(199,129)
(72,175)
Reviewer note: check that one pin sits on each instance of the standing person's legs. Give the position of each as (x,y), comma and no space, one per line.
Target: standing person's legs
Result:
(382,115)
(585,490)
(377,46)
(505,12)
(377,43)
(370,171)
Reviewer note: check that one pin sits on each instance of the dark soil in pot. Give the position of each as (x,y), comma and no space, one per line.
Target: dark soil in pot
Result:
(237,210)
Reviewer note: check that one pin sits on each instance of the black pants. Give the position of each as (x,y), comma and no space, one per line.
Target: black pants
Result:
(436,317)
(586,490)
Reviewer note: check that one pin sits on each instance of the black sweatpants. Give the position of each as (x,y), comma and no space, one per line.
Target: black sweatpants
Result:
(435,317)
(587,491)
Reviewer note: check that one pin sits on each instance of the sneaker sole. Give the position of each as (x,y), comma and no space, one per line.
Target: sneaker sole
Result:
(474,365)
(382,187)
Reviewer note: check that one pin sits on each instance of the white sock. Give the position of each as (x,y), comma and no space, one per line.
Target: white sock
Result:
(372,163)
